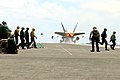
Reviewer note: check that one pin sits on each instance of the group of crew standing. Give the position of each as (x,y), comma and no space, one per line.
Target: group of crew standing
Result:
(95,37)
(24,37)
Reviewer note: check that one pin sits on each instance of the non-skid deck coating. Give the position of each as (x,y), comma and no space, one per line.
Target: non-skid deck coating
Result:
(61,62)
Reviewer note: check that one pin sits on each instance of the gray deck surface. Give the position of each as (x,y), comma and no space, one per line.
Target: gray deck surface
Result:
(61,62)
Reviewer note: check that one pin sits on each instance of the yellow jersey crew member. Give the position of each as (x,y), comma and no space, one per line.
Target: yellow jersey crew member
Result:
(32,35)
(16,33)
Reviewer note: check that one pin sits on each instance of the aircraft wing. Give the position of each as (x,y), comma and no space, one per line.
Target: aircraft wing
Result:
(60,33)
(78,33)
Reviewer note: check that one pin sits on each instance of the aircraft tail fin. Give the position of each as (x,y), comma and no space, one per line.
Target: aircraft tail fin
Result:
(75,27)
(63,27)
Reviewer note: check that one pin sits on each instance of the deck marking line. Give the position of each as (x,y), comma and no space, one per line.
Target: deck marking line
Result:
(65,50)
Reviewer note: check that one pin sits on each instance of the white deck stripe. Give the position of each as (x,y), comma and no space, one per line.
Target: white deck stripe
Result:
(65,50)
(34,75)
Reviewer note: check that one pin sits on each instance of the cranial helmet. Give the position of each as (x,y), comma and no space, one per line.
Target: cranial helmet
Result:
(22,28)
(4,23)
(18,27)
(105,29)
(114,32)
(94,28)
(33,29)
(27,28)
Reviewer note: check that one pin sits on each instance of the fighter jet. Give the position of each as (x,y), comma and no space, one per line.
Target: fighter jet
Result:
(67,37)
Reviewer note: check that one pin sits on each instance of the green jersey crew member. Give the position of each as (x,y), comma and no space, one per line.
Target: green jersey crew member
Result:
(4,30)
(113,39)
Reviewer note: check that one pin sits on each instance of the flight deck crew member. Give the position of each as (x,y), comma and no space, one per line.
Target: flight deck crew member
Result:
(32,35)
(0,30)
(113,39)
(4,30)
(16,33)
(95,36)
(22,36)
(27,37)
(104,36)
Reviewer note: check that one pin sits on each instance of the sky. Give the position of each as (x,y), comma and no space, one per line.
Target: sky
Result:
(46,16)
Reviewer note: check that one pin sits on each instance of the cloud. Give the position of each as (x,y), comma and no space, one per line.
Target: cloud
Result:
(46,10)
(72,1)
(83,13)
(58,12)
(31,12)
(12,3)
(110,7)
